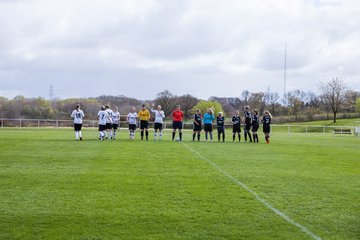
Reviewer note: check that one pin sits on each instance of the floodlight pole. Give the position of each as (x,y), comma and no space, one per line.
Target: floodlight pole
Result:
(285,58)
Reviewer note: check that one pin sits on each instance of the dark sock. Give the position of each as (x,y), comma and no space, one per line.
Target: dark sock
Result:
(173,136)
(239,136)
(250,137)
(245,135)
(180,135)
(233,136)
(142,135)
(147,135)
(198,136)
(194,136)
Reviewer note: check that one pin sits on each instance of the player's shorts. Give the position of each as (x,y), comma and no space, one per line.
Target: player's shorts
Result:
(115,125)
(108,126)
(177,125)
(236,128)
(158,126)
(266,128)
(197,128)
(132,127)
(247,126)
(255,127)
(102,127)
(77,126)
(144,124)
(221,129)
(208,127)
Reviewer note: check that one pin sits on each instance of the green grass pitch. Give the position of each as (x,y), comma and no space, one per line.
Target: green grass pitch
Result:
(52,187)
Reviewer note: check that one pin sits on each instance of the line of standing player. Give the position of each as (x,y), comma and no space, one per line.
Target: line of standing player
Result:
(251,124)
(109,123)
(144,116)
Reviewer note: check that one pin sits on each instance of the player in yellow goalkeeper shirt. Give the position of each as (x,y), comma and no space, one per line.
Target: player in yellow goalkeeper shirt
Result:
(144,116)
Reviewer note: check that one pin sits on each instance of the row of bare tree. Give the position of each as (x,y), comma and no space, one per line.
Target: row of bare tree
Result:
(335,97)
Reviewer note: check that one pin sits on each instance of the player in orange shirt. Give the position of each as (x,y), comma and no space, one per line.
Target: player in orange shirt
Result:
(178,117)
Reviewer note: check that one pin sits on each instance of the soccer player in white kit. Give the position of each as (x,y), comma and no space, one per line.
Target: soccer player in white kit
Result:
(103,116)
(132,120)
(115,122)
(159,119)
(78,115)
(108,127)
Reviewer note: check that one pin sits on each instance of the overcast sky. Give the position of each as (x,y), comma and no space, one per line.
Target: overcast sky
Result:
(139,48)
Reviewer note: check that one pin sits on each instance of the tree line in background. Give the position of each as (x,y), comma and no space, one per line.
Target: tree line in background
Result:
(297,105)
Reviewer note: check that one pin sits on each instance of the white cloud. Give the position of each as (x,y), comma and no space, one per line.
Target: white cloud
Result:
(231,44)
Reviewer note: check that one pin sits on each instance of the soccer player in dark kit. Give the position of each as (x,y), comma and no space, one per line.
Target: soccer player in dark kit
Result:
(236,121)
(266,125)
(197,124)
(247,125)
(220,120)
(255,125)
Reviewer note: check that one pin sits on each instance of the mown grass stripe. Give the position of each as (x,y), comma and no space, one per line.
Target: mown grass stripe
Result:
(257,197)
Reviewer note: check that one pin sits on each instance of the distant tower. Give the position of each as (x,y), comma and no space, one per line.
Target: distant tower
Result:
(285,59)
(51,92)
(267,95)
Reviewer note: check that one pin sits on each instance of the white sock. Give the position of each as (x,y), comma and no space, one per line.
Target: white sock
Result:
(80,134)
(77,135)
(160,135)
(155,135)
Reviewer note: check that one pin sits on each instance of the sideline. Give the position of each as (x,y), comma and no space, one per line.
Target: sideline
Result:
(245,187)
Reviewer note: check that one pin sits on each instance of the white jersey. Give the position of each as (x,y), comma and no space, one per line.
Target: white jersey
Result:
(102,117)
(115,117)
(78,116)
(159,115)
(110,114)
(132,118)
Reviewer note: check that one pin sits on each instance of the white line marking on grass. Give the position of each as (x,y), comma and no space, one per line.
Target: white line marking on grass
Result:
(245,187)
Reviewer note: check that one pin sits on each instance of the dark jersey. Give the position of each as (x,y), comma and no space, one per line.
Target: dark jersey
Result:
(198,118)
(236,120)
(266,120)
(220,121)
(247,115)
(266,124)
(255,119)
